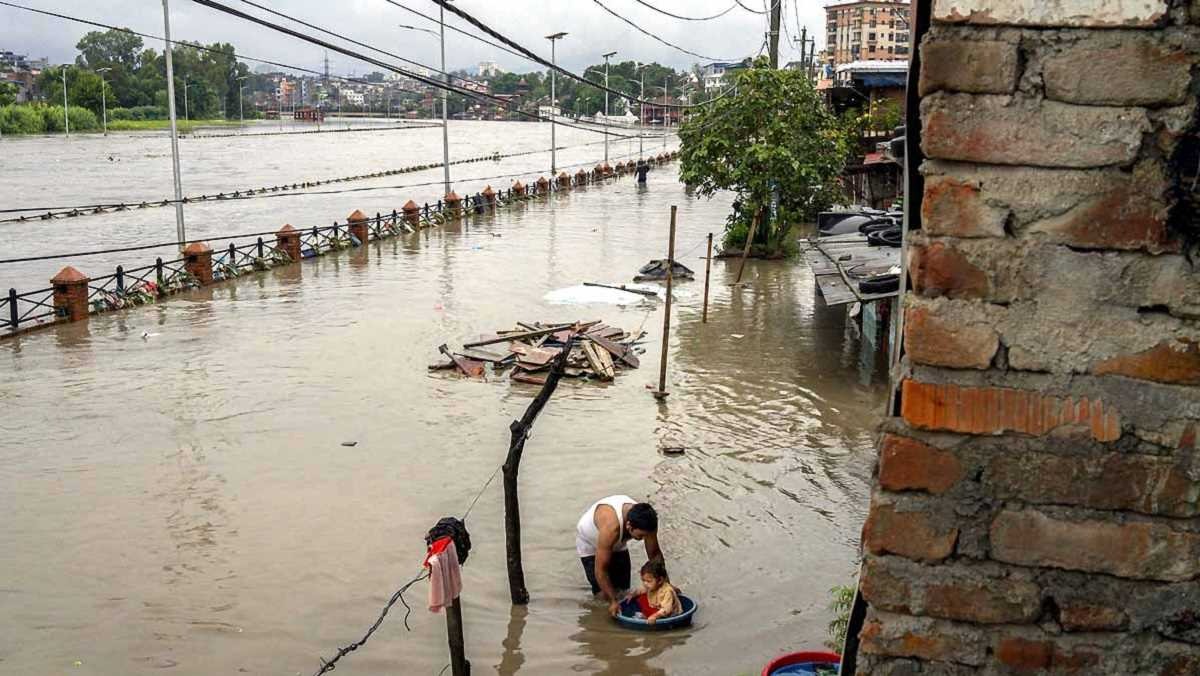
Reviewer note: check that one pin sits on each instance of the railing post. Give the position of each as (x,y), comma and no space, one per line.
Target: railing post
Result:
(261,249)
(198,262)
(71,293)
(120,279)
(158,274)
(14,317)
(452,206)
(232,262)
(412,213)
(357,225)
(288,240)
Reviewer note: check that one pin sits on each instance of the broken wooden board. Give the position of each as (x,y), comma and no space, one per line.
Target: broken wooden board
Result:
(528,378)
(600,361)
(528,334)
(468,367)
(621,352)
(492,356)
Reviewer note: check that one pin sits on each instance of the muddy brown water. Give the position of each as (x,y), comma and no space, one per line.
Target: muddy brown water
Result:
(184,504)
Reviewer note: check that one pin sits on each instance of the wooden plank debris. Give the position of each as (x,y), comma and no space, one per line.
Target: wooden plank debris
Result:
(599,360)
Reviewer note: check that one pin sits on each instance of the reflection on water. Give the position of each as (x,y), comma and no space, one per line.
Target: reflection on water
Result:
(185,500)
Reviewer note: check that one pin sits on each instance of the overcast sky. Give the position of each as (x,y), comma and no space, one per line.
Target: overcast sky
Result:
(591,31)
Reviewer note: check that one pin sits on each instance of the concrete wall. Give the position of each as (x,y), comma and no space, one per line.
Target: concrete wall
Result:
(1035,508)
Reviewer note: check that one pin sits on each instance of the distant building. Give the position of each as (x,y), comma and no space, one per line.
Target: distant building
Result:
(867,30)
(714,73)
(352,97)
(489,69)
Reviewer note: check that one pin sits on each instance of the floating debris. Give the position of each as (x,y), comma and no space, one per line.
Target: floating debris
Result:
(656,270)
(598,352)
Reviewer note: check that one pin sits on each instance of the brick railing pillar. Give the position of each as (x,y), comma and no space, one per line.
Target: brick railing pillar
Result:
(564,180)
(358,225)
(71,293)
(1039,488)
(581,177)
(198,262)
(518,189)
(288,241)
(412,213)
(489,197)
(453,205)
(543,185)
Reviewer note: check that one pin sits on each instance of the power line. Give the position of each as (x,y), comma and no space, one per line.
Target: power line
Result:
(647,33)
(454,9)
(755,11)
(687,18)
(459,30)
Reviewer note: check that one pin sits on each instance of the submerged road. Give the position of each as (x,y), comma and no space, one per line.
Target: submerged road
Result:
(185,502)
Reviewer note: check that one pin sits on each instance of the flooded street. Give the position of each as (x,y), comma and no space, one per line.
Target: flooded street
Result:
(184,502)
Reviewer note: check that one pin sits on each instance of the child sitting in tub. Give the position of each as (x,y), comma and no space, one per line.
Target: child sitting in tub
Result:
(658,599)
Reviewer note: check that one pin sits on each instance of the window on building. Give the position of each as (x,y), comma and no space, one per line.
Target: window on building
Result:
(901,49)
(870,37)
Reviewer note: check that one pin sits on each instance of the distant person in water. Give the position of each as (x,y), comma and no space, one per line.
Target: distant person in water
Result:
(601,538)
(643,168)
(658,599)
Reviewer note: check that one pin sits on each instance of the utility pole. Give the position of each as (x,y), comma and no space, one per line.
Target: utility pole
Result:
(553,103)
(773,36)
(66,118)
(185,106)
(665,112)
(641,110)
(606,57)
(180,231)
(803,51)
(445,104)
(241,97)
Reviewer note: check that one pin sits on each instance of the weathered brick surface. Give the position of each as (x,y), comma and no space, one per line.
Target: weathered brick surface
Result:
(1030,656)
(888,634)
(1083,617)
(994,410)
(912,534)
(1074,13)
(957,208)
(941,270)
(1128,68)
(977,67)
(953,336)
(907,464)
(1138,550)
(1141,483)
(1013,130)
(951,592)
(1176,362)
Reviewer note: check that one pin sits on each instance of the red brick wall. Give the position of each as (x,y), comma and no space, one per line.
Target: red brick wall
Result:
(1037,502)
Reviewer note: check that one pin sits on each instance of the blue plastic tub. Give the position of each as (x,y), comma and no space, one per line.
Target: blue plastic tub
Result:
(629,610)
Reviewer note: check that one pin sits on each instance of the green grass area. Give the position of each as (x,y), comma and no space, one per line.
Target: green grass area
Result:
(184,126)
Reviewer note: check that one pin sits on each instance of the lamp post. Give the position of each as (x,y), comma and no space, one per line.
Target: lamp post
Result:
(241,97)
(641,106)
(103,99)
(553,102)
(169,47)
(66,118)
(606,57)
(665,112)
(186,116)
(441,35)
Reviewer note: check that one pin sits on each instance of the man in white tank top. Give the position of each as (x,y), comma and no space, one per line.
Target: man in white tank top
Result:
(601,537)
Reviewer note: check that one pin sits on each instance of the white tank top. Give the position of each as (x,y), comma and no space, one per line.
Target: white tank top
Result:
(586,534)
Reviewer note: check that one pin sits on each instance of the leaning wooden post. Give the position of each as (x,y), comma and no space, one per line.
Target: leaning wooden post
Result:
(662,366)
(707,269)
(512,466)
(746,249)
(459,666)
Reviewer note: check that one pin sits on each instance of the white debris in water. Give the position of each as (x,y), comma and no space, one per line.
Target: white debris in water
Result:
(586,295)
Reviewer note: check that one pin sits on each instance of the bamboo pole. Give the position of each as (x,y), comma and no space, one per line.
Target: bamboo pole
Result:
(746,249)
(666,341)
(707,270)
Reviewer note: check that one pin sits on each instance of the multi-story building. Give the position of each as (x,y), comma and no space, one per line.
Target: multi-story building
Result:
(867,30)
(489,69)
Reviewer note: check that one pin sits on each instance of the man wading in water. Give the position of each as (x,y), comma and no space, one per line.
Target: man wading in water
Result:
(601,537)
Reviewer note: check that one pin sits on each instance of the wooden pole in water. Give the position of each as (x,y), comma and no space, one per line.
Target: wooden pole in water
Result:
(746,249)
(662,367)
(707,269)
(459,666)
(511,468)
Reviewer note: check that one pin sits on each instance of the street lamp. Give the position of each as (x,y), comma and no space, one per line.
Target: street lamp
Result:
(441,35)
(66,118)
(168,48)
(186,116)
(103,99)
(553,101)
(641,105)
(606,57)
(241,96)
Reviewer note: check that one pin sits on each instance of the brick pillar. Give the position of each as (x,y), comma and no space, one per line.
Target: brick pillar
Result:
(288,241)
(198,262)
(412,213)
(1036,504)
(581,177)
(453,205)
(71,293)
(489,197)
(543,185)
(518,189)
(358,225)
(598,173)
(564,180)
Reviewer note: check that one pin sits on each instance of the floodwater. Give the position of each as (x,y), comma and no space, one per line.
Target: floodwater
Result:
(183,503)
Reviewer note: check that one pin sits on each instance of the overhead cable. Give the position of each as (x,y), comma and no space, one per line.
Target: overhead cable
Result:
(647,33)
(687,18)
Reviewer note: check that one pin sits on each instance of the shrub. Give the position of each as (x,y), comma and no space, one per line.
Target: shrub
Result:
(138,113)
(81,119)
(17,119)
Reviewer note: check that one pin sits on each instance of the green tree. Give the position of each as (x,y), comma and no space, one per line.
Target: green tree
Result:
(8,93)
(121,53)
(773,137)
(83,87)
